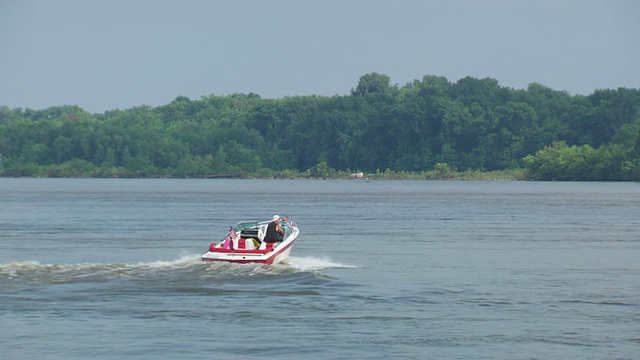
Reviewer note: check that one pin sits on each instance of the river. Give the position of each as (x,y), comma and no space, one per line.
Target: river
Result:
(109,269)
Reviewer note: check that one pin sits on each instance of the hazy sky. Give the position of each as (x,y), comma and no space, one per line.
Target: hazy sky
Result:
(110,54)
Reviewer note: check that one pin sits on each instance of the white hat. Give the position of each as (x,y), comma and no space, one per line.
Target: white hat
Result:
(275,218)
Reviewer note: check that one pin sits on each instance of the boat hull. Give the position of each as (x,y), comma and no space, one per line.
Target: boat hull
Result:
(250,256)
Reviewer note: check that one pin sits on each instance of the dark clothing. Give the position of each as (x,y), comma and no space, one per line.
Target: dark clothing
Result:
(272,235)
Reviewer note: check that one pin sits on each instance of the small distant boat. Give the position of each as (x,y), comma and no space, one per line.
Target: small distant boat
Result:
(243,244)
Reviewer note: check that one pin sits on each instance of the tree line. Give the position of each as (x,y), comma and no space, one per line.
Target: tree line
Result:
(425,125)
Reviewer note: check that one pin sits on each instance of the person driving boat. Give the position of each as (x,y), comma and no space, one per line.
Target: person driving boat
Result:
(274,231)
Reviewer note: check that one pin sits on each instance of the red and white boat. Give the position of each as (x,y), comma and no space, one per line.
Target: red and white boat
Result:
(243,244)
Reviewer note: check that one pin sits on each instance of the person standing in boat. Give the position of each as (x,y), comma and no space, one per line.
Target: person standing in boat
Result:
(274,231)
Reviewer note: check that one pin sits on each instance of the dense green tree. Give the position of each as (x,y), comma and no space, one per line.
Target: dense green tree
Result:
(372,83)
(473,124)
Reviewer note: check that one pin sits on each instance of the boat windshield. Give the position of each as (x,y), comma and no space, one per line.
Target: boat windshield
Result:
(249,225)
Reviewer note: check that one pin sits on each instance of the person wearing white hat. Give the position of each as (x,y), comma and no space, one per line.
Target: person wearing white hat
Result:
(274,231)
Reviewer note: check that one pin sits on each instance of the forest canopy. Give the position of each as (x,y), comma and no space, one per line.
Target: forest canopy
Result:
(425,125)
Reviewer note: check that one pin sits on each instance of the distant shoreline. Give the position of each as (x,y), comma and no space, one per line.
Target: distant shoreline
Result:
(489,176)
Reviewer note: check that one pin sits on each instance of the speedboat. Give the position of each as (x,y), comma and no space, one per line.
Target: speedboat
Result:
(243,244)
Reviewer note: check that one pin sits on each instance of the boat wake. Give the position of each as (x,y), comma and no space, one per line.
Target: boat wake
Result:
(187,265)
(312,263)
(62,273)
